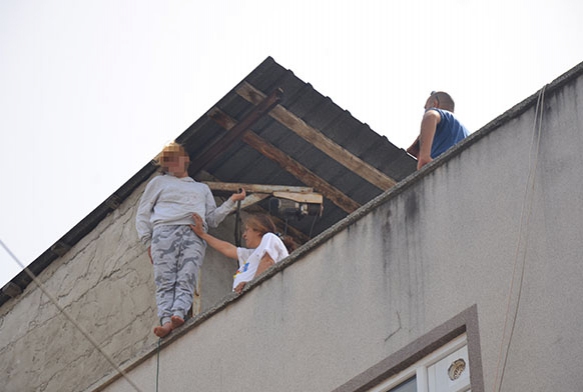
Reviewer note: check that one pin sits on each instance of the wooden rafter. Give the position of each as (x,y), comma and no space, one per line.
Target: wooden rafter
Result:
(319,140)
(301,172)
(262,107)
(289,164)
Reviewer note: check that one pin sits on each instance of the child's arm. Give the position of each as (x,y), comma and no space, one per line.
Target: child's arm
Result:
(264,264)
(220,246)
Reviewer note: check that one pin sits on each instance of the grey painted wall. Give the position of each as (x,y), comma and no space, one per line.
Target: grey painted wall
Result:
(468,230)
(105,282)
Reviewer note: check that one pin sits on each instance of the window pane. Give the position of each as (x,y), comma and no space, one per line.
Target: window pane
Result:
(408,386)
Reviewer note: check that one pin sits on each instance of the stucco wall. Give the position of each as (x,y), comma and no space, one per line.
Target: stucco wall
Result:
(105,282)
(461,233)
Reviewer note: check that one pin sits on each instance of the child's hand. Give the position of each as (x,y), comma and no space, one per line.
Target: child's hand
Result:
(239,196)
(240,287)
(198,226)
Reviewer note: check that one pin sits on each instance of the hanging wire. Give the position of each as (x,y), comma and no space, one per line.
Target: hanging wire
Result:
(312,226)
(285,227)
(69,317)
(238,224)
(524,222)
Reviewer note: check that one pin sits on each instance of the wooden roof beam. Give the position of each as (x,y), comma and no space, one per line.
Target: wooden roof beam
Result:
(319,140)
(301,172)
(289,164)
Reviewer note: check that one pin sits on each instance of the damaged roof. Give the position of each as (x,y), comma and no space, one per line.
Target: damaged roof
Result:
(299,138)
(270,129)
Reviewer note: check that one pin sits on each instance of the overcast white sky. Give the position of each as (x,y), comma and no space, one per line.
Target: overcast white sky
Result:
(91,90)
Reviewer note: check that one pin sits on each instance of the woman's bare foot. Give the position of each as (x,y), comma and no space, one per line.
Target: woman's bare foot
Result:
(177,321)
(164,330)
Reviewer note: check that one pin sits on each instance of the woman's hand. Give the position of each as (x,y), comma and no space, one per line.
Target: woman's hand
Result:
(239,196)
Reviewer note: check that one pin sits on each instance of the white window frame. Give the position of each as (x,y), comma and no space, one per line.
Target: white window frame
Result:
(419,369)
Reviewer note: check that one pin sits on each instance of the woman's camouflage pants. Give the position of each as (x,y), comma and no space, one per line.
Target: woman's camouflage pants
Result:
(177,254)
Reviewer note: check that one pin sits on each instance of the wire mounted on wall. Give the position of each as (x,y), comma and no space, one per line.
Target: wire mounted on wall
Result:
(518,272)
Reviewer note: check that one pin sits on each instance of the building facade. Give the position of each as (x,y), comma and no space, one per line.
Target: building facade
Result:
(481,250)
(464,276)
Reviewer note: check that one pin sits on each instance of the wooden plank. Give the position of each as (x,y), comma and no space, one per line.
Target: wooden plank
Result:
(256,188)
(314,198)
(319,140)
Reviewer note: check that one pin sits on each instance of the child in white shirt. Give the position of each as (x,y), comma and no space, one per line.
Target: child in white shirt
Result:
(265,248)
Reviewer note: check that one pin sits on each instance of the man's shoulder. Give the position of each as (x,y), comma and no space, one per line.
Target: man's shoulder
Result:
(433,112)
(438,112)
(432,115)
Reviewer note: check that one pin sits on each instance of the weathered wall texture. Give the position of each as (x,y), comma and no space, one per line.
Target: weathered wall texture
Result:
(443,241)
(105,282)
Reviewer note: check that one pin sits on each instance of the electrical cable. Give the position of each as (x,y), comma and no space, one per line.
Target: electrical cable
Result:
(70,318)
(530,185)
(238,225)
(312,226)
(285,227)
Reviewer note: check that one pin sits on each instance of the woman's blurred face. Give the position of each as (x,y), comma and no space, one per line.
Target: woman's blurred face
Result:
(176,164)
(252,237)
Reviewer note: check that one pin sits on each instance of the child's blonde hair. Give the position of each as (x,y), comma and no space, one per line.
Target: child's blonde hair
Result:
(170,152)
